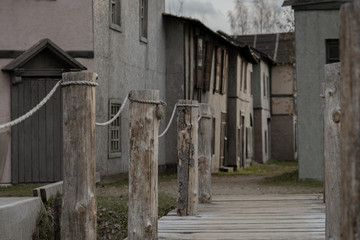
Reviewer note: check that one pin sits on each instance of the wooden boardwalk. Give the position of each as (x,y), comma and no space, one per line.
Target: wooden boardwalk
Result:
(251,217)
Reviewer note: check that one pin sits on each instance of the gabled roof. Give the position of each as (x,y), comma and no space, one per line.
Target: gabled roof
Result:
(244,49)
(304,5)
(38,48)
(280,47)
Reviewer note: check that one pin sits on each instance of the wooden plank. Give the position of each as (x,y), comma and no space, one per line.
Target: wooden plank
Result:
(27,132)
(42,134)
(350,127)
(35,166)
(21,142)
(143,168)
(14,135)
(49,134)
(246,219)
(187,139)
(78,213)
(57,131)
(204,152)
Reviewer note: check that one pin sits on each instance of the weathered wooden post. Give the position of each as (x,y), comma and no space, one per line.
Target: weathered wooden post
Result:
(350,120)
(187,137)
(204,152)
(78,217)
(143,167)
(332,129)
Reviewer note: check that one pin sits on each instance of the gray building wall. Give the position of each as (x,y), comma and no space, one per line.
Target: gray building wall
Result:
(312,29)
(125,63)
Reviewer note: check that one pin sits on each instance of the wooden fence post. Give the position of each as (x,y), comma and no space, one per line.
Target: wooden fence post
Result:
(204,148)
(78,217)
(143,167)
(350,125)
(187,136)
(332,129)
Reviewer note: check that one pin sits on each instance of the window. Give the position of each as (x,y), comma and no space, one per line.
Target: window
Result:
(114,130)
(200,63)
(332,51)
(115,14)
(245,77)
(266,141)
(143,20)
(267,85)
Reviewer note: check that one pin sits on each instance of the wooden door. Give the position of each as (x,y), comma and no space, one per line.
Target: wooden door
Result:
(36,142)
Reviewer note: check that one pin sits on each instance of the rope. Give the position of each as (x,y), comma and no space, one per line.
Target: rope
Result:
(188,105)
(171,119)
(32,111)
(87,83)
(116,115)
(160,102)
(45,100)
(199,118)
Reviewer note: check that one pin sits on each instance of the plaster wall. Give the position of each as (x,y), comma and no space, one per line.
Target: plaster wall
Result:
(283,105)
(262,145)
(125,63)
(282,79)
(68,23)
(312,29)
(260,100)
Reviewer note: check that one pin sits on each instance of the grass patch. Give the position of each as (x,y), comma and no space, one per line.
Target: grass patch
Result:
(18,190)
(113,212)
(270,168)
(291,179)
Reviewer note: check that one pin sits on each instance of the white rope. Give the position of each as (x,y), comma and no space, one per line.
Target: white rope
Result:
(32,111)
(199,118)
(116,115)
(171,119)
(86,83)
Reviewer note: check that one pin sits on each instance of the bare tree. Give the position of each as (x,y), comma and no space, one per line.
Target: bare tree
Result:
(265,16)
(239,18)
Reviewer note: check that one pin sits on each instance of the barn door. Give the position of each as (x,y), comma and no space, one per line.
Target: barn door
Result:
(36,142)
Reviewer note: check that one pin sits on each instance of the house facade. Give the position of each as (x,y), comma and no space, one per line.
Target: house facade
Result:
(202,60)
(129,46)
(262,111)
(317,34)
(39,43)
(281,48)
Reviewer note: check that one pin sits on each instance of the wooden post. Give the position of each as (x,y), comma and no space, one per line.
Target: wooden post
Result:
(204,148)
(187,130)
(78,217)
(332,129)
(350,124)
(143,170)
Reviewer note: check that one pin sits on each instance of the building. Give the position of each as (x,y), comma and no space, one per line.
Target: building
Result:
(206,67)
(316,36)
(40,41)
(129,46)
(123,41)
(281,48)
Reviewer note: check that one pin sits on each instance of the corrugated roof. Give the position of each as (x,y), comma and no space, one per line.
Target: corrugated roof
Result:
(315,4)
(279,46)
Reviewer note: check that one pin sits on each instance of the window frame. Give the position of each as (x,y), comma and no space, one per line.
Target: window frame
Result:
(328,44)
(143,20)
(111,153)
(113,25)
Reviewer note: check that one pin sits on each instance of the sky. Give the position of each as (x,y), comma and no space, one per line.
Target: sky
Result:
(213,13)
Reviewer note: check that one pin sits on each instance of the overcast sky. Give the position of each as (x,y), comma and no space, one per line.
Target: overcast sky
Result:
(211,12)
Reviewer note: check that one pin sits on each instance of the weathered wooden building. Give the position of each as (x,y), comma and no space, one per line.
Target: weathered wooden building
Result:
(205,66)
(281,48)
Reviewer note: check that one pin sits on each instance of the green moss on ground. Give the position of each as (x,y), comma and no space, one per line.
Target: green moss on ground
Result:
(18,190)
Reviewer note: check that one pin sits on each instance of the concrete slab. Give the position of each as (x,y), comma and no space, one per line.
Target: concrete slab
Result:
(18,217)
